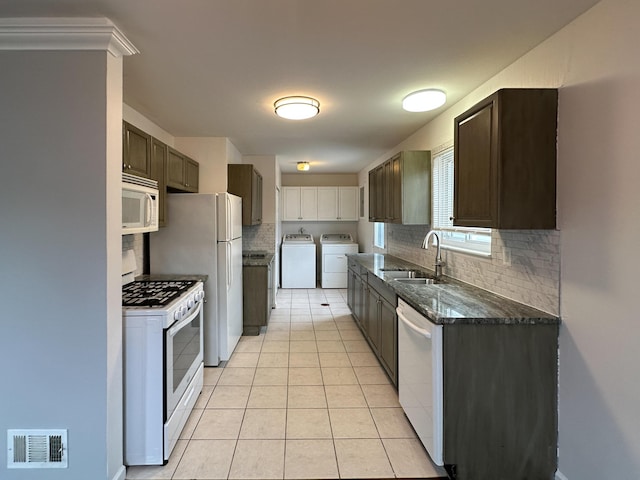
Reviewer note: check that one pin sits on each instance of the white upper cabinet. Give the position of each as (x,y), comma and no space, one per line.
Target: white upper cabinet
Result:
(309,203)
(328,204)
(338,203)
(348,203)
(299,203)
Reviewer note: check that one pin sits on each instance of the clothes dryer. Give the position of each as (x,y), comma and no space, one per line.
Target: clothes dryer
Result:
(334,248)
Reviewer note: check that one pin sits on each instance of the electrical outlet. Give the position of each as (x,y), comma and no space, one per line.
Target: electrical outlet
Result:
(506,256)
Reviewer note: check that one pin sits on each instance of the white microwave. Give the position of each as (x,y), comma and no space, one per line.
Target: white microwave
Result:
(139,204)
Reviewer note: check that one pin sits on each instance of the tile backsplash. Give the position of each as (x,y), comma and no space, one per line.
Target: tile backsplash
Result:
(135,242)
(533,276)
(259,237)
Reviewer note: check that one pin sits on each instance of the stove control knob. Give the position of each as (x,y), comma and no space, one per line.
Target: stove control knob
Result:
(191,301)
(178,314)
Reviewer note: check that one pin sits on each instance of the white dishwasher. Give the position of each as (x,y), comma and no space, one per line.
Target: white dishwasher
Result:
(420,377)
(298,261)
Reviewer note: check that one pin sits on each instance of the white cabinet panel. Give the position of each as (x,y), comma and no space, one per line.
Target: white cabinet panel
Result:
(299,203)
(309,203)
(348,203)
(291,203)
(327,203)
(338,203)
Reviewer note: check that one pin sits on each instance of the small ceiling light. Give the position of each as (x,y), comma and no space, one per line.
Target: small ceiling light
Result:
(424,100)
(297,108)
(303,166)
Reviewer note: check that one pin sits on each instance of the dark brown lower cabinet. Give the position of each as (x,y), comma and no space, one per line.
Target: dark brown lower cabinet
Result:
(383,325)
(356,294)
(389,339)
(256,297)
(373,306)
(372,319)
(500,401)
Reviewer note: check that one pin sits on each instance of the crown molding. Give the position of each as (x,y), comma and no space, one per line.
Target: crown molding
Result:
(55,33)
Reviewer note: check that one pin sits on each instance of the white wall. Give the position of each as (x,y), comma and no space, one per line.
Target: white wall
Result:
(61,154)
(598,204)
(594,63)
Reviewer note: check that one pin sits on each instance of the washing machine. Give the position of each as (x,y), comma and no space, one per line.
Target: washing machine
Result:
(298,261)
(334,248)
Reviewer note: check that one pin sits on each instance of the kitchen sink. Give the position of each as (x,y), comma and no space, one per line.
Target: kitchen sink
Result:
(418,281)
(405,273)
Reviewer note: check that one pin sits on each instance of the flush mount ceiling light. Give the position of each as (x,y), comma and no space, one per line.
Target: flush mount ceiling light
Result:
(303,166)
(297,108)
(424,100)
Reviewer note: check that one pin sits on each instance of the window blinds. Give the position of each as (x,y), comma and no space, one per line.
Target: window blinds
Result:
(443,189)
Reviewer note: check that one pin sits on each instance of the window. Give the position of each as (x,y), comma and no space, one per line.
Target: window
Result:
(470,240)
(378,234)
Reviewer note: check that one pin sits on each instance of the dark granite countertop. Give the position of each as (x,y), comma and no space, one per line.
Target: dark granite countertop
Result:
(150,278)
(452,301)
(256,258)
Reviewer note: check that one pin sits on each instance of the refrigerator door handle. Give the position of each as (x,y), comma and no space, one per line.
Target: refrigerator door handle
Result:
(229,269)
(229,218)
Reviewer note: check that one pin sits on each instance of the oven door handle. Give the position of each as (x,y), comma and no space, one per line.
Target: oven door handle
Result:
(413,326)
(177,327)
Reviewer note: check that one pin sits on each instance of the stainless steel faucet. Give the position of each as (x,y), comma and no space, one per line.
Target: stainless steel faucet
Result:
(439,262)
(301,230)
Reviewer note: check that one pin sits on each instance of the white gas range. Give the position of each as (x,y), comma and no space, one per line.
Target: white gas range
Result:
(163,364)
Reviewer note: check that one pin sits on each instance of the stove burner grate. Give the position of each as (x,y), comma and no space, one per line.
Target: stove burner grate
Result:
(153,293)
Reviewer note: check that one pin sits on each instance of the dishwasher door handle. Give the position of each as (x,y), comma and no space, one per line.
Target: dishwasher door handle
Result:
(412,326)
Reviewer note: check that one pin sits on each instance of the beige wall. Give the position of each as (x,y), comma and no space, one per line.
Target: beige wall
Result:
(136,118)
(319,180)
(213,154)
(594,63)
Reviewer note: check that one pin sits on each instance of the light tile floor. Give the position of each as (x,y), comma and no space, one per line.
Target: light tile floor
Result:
(306,399)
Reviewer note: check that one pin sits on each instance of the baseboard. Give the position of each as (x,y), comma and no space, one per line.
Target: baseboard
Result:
(120,474)
(560,476)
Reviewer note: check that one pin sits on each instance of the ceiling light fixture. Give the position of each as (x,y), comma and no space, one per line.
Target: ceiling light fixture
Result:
(297,108)
(424,100)
(303,166)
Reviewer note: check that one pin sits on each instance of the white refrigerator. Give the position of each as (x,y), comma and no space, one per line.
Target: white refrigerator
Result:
(189,246)
(229,272)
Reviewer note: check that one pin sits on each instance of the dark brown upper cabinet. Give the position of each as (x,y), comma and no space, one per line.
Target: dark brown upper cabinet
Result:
(400,189)
(246,182)
(159,174)
(505,161)
(182,172)
(136,151)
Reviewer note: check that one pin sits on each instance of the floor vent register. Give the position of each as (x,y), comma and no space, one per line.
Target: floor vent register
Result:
(37,449)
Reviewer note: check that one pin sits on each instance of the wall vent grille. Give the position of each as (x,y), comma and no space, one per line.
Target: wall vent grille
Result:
(37,449)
